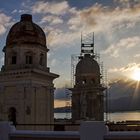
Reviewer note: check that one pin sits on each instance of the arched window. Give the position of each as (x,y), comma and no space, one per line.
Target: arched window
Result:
(14,58)
(41,60)
(29,58)
(12,115)
(84,81)
(93,81)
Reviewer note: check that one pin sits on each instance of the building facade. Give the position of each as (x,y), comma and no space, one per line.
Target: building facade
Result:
(26,83)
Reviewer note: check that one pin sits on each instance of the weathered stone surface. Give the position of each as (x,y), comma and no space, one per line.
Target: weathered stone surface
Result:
(26,31)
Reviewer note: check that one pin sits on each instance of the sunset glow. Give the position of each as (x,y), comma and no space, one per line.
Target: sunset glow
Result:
(136,74)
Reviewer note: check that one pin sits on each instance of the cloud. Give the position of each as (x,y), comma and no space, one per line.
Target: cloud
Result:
(119,88)
(14,11)
(4,23)
(2,29)
(124,95)
(65,38)
(57,38)
(98,18)
(137,55)
(127,3)
(62,94)
(125,72)
(61,97)
(128,68)
(104,19)
(20,11)
(53,62)
(58,8)
(52,20)
(122,45)
(1,59)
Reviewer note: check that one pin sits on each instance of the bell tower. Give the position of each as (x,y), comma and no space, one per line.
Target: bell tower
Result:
(26,83)
(87,94)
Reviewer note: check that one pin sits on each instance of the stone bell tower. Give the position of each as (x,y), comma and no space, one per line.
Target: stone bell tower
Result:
(87,94)
(26,83)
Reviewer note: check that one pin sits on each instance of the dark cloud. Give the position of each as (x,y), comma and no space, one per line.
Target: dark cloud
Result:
(62,94)
(124,95)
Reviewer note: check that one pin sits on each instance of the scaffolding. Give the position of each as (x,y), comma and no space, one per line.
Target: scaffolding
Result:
(68,103)
(74,61)
(87,44)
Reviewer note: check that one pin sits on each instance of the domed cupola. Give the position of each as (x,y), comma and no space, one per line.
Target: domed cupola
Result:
(26,31)
(87,71)
(87,65)
(25,46)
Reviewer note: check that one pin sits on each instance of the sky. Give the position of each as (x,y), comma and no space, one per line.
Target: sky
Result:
(115,23)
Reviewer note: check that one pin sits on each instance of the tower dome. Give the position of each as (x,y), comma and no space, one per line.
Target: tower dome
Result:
(87,71)
(26,31)
(87,65)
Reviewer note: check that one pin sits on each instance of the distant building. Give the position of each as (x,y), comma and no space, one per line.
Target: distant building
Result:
(26,83)
(87,94)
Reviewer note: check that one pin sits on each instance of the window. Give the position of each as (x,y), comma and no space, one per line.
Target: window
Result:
(12,115)
(14,59)
(84,81)
(29,59)
(41,59)
(93,81)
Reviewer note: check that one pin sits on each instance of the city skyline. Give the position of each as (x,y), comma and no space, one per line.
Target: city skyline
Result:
(115,25)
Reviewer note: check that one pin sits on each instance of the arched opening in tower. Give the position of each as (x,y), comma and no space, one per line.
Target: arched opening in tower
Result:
(12,115)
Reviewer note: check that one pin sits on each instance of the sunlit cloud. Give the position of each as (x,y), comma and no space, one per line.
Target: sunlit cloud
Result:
(59,103)
(137,55)
(131,71)
(98,18)
(57,8)
(65,38)
(122,45)
(128,68)
(102,18)
(58,38)
(52,20)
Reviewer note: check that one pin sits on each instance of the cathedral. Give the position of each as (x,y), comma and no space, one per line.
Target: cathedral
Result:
(26,83)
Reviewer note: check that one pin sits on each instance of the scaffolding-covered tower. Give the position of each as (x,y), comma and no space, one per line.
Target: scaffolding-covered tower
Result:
(87,91)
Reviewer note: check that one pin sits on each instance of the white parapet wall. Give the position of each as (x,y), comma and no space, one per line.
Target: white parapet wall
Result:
(90,130)
(5,129)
